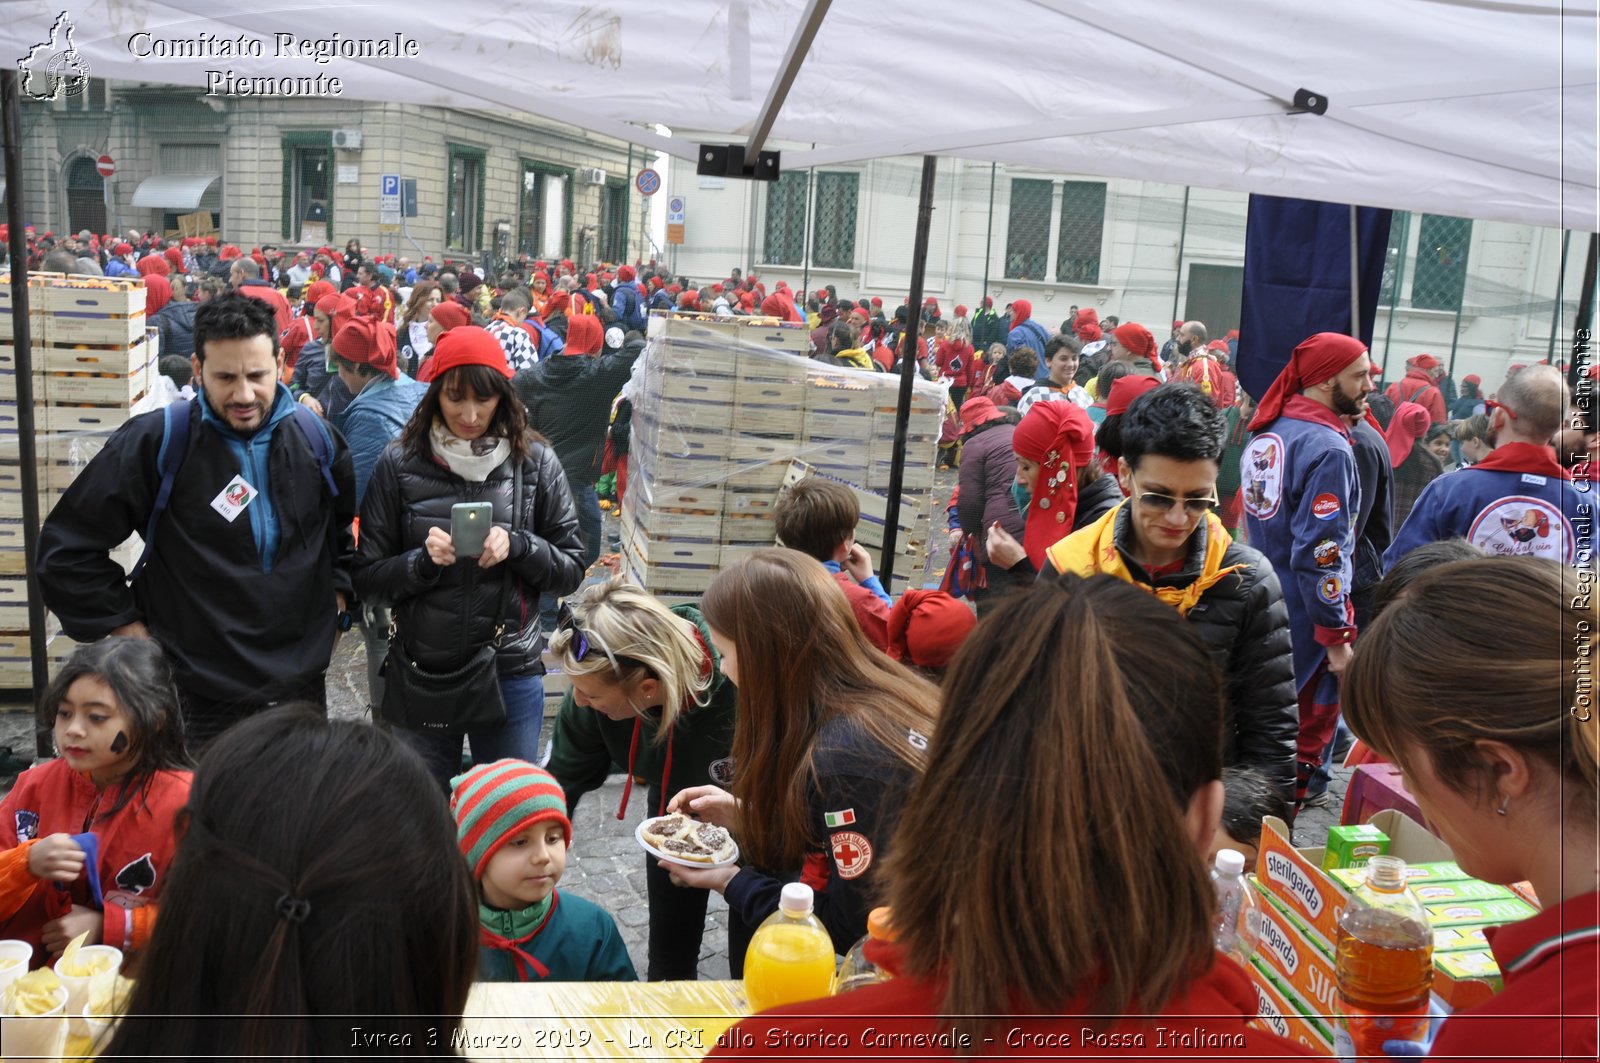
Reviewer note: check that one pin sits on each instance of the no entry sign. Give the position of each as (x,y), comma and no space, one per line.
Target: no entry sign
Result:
(105,165)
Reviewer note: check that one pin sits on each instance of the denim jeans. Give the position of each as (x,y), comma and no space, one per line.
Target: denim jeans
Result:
(517,738)
(587,504)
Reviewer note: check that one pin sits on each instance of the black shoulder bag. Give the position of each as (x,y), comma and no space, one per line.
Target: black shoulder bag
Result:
(451,703)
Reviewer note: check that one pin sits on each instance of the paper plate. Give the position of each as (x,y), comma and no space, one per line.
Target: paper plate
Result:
(638,836)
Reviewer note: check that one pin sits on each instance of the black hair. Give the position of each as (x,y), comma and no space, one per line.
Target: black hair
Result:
(1110,373)
(317,878)
(842,337)
(1248,796)
(1175,421)
(232,316)
(140,678)
(510,416)
(1415,563)
(176,368)
(1055,343)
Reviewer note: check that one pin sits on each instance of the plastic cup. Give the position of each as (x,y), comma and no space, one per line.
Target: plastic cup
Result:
(77,986)
(37,1036)
(99,1031)
(14,959)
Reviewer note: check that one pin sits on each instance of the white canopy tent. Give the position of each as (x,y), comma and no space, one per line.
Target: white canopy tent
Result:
(1478,108)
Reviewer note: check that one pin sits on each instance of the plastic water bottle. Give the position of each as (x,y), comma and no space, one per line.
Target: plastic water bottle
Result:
(790,958)
(1238,925)
(1384,966)
(857,970)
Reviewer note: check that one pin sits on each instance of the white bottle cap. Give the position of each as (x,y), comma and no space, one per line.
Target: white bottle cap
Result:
(796,897)
(1230,861)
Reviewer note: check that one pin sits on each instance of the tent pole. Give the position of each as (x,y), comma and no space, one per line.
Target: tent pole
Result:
(799,45)
(27,454)
(988,243)
(805,237)
(1561,284)
(910,343)
(1355,276)
(1183,233)
(1394,292)
(1455,332)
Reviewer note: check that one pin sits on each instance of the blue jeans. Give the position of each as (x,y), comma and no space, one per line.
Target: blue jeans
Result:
(1324,773)
(587,504)
(517,738)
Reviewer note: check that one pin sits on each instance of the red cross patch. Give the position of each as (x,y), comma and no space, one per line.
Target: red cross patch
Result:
(852,853)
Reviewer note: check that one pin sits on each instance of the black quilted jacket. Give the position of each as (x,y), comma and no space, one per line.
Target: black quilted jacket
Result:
(446,614)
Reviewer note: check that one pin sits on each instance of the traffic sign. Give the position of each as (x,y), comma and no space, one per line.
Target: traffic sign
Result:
(648,182)
(389,197)
(677,209)
(105,165)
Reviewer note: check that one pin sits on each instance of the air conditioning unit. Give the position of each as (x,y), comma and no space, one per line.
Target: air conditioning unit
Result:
(591,176)
(347,139)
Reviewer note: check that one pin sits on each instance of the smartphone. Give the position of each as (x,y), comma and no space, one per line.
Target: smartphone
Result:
(469,526)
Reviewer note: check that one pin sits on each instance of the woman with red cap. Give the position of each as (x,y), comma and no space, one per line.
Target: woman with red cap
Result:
(1470,401)
(926,628)
(1414,465)
(1421,386)
(469,441)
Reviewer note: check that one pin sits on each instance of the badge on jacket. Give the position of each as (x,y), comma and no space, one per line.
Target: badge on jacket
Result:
(233,499)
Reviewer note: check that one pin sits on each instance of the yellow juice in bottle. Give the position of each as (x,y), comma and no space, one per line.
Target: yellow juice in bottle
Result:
(790,957)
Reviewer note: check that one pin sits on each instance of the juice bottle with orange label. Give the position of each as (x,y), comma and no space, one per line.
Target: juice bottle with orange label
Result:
(1384,965)
(790,958)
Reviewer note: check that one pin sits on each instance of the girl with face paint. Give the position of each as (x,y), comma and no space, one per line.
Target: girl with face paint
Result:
(86,839)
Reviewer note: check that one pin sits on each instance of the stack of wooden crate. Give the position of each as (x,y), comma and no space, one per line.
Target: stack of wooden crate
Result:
(725,411)
(93,358)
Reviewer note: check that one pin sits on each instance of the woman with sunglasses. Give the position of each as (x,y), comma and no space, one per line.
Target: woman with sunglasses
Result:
(469,441)
(1166,540)
(648,692)
(830,736)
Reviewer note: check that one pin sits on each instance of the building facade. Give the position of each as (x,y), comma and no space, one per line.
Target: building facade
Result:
(303,172)
(1480,295)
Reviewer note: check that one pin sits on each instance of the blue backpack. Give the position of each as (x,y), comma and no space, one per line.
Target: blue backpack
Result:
(175,445)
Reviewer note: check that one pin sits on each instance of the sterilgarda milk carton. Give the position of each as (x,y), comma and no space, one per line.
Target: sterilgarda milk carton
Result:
(1353,846)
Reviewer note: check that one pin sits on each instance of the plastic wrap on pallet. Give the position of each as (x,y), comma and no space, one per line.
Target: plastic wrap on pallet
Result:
(724,410)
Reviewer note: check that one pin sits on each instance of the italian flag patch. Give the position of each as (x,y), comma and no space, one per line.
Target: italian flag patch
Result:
(839,819)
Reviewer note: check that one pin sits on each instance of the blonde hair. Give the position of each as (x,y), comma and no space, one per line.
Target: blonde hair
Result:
(648,640)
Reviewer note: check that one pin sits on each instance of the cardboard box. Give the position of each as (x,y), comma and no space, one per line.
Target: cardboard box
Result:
(1438,871)
(1353,846)
(1297,958)
(1284,1013)
(1295,876)
(1469,889)
(1459,939)
(1479,913)
(1465,979)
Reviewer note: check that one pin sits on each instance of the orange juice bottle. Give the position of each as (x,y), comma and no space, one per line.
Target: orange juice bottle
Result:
(1384,966)
(790,958)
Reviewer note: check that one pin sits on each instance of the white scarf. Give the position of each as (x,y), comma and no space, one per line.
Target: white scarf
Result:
(471,460)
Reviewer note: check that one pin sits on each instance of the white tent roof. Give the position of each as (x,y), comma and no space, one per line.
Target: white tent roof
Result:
(1481,108)
(180,191)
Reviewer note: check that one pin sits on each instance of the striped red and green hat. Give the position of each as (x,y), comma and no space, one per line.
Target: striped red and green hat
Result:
(494,802)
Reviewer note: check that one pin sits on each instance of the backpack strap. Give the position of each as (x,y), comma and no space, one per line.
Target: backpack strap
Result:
(174,445)
(316,436)
(1417,392)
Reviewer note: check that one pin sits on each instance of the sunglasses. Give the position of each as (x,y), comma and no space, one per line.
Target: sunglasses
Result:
(1489,406)
(582,643)
(1158,503)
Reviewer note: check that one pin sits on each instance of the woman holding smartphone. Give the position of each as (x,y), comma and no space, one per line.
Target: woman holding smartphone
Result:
(460,576)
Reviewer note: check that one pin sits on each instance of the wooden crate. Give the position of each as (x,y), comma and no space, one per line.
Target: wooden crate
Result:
(842,424)
(773,368)
(672,356)
(680,567)
(753,529)
(664,416)
(14,605)
(752,334)
(64,329)
(707,499)
(106,297)
(840,399)
(759,392)
(848,454)
(690,461)
(51,476)
(665,526)
(675,387)
(775,421)
(74,419)
(115,360)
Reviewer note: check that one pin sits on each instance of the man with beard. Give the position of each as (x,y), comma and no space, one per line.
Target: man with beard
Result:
(1302,495)
(1519,499)
(245,501)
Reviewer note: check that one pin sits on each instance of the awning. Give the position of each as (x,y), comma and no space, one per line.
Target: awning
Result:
(179,191)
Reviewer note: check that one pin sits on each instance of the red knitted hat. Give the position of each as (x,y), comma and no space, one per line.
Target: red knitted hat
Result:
(468,345)
(926,628)
(451,315)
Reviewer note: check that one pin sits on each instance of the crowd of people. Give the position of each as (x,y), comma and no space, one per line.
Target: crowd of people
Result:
(1174,589)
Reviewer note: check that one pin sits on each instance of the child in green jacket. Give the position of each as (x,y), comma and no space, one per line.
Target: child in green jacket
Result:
(512,826)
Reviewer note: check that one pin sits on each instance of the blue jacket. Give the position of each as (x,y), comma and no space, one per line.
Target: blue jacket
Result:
(1302,497)
(176,322)
(1029,334)
(374,418)
(1500,511)
(628,306)
(118,268)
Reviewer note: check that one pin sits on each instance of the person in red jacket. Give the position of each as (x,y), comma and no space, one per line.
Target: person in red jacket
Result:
(1502,754)
(818,517)
(86,840)
(1027,920)
(1421,386)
